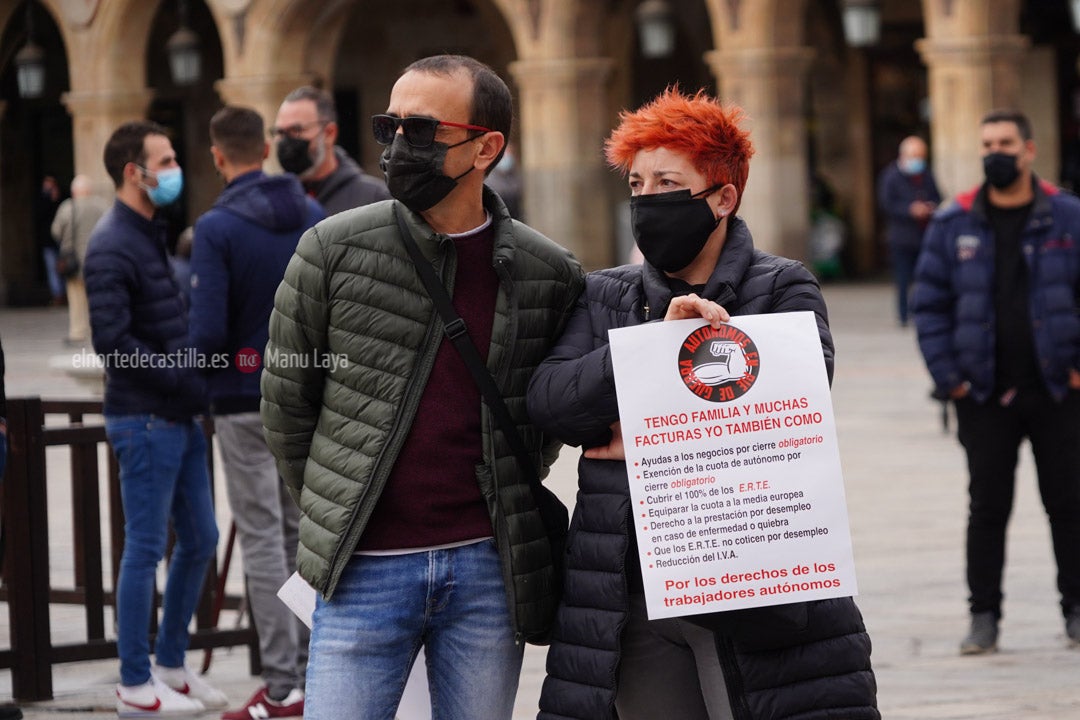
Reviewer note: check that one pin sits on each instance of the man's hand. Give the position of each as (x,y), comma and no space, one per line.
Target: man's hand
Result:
(921,209)
(688,307)
(960,391)
(613,450)
(1074,379)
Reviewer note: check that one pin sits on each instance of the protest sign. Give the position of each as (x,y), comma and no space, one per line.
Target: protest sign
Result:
(733,464)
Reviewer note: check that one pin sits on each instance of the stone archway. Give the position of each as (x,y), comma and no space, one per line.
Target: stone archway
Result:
(363,74)
(35,141)
(275,46)
(108,83)
(185,110)
(559,71)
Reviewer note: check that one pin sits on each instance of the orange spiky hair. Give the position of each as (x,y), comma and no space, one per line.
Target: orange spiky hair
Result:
(698,127)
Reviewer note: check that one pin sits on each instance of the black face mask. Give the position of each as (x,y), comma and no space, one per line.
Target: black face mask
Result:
(294,155)
(1001,169)
(414,176)
(671,228)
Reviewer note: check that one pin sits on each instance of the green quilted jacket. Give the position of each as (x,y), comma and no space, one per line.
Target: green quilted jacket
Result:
(353,337)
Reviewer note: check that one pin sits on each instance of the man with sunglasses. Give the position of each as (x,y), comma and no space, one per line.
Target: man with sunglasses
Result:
(418,527)
(305,136)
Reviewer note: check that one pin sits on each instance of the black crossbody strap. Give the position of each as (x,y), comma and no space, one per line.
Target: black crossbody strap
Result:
(455,329)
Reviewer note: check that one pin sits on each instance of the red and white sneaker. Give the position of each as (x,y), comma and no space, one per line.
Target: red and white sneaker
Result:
(192,685)
(260,706)
(154,699)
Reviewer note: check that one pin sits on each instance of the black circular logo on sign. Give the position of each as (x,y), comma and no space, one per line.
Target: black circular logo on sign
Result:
(719,364)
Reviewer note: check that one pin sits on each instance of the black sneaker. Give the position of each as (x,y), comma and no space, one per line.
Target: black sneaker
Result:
(982,638)
(1072,627)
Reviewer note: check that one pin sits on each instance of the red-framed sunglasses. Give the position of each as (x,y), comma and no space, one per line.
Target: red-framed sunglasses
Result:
(419,131)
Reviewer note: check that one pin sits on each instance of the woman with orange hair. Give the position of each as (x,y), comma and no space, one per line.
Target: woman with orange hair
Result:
(687,161)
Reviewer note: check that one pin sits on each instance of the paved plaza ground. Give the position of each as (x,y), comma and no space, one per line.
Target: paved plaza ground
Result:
(906,493)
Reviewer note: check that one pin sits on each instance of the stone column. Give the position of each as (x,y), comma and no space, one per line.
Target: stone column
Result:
(769,83)
(863,241)
(968,76)
(564,119)
(263,93)
(3,239)
(94,117)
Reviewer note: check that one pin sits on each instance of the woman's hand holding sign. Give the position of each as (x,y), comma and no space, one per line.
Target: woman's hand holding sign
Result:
(613,450)
(689,307)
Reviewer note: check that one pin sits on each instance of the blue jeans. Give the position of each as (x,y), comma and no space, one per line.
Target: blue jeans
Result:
(365,638)
(163,477)
(903,267)
(56,283)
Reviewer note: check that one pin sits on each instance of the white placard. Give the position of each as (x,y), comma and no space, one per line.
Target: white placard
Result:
(733,464)
(299,597)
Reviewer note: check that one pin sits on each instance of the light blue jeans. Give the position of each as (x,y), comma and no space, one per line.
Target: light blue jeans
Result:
(163,477)
(365,639)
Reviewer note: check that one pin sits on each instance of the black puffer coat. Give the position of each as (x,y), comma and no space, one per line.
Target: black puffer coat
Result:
(804,661)
(138,320)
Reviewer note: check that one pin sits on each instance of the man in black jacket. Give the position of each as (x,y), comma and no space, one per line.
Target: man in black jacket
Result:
(305,136)
(152,394)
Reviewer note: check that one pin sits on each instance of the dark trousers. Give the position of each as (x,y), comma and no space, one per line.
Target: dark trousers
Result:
(903,270)
(991,436)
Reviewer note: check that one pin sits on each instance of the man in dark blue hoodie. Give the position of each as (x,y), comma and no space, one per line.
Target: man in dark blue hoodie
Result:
(240,251)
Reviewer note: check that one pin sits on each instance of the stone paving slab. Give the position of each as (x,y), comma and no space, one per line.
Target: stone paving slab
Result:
(906,490)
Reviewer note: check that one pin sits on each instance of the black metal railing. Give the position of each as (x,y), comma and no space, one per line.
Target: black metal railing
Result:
(27,587)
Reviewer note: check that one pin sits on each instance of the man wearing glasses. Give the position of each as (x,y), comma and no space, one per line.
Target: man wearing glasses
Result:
(305,135)
(418,528)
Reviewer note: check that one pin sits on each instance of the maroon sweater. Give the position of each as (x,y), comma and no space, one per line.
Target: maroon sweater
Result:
(431,496)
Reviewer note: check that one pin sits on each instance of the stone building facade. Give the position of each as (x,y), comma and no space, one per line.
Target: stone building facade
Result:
(822,113)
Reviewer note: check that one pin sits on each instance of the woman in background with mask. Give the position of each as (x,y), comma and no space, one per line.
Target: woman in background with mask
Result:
(687,162)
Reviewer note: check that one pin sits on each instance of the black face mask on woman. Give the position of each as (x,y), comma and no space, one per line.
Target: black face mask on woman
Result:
(414,176)
(671,228)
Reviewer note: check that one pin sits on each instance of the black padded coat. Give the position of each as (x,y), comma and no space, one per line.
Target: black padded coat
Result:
(803,661)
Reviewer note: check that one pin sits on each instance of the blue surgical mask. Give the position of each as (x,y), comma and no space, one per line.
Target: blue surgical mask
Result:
(170,183)
(912,166)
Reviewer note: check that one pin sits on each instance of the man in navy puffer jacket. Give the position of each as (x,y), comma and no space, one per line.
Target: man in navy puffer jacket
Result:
(241,248)
(153,393)
(996,307)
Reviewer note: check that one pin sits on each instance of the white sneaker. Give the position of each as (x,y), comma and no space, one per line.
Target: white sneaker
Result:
(154,699)
(191,685)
